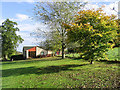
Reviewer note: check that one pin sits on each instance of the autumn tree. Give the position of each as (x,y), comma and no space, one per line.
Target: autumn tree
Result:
(94,31)
(117,39)
(10,40)
(55,14)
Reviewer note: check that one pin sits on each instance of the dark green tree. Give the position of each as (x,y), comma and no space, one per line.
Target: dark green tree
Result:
(10,40)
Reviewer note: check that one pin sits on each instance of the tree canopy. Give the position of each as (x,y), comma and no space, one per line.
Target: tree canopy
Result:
(52,41)
(94,31)
(10,40)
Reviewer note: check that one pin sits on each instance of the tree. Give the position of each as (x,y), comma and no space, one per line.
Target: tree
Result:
(51,39)
(10,40)
(117,39)
(94,31)
(55,14)
(55,40)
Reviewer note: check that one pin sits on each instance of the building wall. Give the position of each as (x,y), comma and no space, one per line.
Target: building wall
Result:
(39,50)
(24,50)
(49,52)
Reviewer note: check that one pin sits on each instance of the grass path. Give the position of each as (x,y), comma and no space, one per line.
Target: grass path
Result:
(54,72)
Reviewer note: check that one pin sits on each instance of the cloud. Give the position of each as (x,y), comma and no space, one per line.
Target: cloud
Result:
(28,40)
(18,18)
(31,27)
(21,17)
(26,30)
(91,6)
(109,8)
(1,20)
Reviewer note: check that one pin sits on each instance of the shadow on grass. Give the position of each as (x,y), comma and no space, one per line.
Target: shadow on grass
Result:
(30,61)
(106,61)
(75,58)
(39,71)
(109,62)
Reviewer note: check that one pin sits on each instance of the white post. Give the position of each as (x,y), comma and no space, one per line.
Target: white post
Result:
(27,55)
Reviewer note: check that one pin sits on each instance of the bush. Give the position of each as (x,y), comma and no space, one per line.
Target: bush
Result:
(17,57)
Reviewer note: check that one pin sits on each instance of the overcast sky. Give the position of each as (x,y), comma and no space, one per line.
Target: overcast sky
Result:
(21,11)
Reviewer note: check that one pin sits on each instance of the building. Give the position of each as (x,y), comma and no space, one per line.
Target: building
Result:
(35,51)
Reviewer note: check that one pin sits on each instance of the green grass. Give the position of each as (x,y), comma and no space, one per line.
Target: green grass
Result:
(76,55)
(54,72)
(113,54)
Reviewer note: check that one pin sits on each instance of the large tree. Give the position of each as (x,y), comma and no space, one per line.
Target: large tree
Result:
(52,41)
(10,40)
(55,14)
(94,31)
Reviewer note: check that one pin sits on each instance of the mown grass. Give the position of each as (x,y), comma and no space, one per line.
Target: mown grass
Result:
(54,72)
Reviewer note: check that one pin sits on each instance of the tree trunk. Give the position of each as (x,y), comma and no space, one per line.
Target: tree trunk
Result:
(63,54)
(63,45)
(72,55)
(5,57)
(91,61)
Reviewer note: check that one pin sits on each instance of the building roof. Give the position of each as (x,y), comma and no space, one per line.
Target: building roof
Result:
(32,49)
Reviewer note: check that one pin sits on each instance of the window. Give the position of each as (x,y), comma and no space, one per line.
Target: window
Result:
(42,53)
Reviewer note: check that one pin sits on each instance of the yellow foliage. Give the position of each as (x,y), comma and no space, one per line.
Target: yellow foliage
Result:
(86,24)
(112,45)
(73,24)
(97,34)
(67,30)
(100,35)
(106,57)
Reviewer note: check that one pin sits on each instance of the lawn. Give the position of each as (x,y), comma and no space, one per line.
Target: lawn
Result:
(114,54)
(54,72)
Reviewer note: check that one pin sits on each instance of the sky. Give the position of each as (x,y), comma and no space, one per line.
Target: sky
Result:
(21,11)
